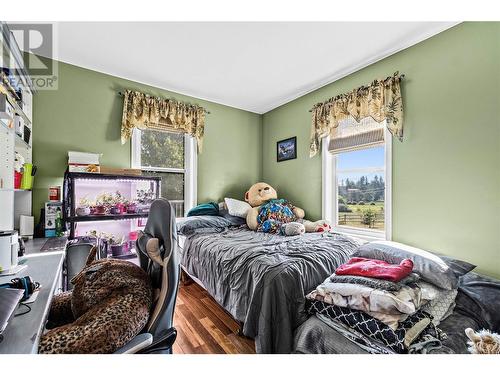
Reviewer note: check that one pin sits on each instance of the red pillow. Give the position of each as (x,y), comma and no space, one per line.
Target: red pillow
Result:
(377,269)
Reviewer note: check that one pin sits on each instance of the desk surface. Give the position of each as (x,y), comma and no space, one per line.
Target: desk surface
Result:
(23,332)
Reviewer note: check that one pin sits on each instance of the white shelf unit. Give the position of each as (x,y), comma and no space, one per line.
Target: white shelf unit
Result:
(14,202)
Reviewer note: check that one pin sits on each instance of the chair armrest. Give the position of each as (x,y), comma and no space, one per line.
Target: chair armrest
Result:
(139,342)
(163,344)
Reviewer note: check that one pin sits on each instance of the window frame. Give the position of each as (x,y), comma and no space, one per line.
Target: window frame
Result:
(330,194)
(189,170)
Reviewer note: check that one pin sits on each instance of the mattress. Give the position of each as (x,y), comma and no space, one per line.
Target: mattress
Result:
(261,279)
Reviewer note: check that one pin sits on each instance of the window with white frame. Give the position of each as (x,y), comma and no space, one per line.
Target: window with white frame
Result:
(357,179)
(172,156)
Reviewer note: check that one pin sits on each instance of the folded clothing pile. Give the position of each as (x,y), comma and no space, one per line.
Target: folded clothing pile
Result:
(388,297)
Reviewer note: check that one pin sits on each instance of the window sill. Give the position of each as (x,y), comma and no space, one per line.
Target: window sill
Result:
(360,234)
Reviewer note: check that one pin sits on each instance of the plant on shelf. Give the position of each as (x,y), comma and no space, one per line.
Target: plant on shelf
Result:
(116,206)
(102,203)
(101,238)
(131,207)
(83,208)
(120,206)
(144,199)
(116,243)
(145,196)
(104,199)
(110,203)
(116,240)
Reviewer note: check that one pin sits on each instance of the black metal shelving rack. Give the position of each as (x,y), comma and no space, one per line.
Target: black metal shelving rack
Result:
(69,208)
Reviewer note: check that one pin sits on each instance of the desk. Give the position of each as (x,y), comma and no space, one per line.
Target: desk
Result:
(23,332)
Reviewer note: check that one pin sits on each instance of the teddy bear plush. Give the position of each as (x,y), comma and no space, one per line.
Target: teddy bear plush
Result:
(272,215)
(109,305)
(483,342)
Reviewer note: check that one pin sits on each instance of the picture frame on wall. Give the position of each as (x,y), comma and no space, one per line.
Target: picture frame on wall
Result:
(286,149)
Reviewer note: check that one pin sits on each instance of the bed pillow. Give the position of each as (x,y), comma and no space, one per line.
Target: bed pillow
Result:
(237,208)
(459,267)
(429,266)
(188,225)
(235,220)
(210,208)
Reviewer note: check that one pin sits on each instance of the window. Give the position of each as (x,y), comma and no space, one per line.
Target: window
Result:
(357,185)
(172,156)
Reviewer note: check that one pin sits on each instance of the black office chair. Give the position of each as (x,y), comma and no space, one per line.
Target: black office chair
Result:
(77,252)
(157,251)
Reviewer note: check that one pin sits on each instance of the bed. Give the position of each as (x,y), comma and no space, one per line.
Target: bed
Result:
(477,306)
(261,279)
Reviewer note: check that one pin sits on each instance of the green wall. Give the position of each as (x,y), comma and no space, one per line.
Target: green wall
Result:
(446,173)
(85,113)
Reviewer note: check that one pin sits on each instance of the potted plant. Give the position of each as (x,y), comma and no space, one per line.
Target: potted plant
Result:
(102,240)
(103,204)
(144,200)
(116,245)
(123,206)
(83,208)
(117,207)
(131,207)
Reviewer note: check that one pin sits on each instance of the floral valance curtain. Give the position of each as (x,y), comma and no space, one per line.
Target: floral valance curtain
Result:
(142,111)
(381,101)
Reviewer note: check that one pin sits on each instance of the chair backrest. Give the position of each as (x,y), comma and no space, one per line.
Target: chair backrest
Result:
(163,266)
(76,256)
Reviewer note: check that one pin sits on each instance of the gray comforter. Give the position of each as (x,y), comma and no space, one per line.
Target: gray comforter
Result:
(261,279)
(477,306)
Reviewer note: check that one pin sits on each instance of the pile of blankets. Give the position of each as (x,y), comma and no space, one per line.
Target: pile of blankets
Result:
(383,307)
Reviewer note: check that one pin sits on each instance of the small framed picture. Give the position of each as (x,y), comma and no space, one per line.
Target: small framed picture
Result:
(286,149)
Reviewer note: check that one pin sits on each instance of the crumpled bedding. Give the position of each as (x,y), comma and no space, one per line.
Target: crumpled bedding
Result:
(261,279)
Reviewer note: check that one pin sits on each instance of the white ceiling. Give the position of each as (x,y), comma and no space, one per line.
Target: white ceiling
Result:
(253,66)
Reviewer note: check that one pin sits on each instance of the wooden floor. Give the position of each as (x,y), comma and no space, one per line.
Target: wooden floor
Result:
(204,327)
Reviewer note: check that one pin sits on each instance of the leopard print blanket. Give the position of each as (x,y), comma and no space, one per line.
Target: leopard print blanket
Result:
(109,305)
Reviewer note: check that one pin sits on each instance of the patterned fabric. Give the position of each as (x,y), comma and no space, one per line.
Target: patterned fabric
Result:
(109,305)
(439,307)
(371,346)
(397,340)
(146,112)
(375,283)
(380,101)
(273,214)
(429,341)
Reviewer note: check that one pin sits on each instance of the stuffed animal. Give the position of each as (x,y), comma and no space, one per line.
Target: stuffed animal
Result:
(272,215)
(109,305)
(483,342)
